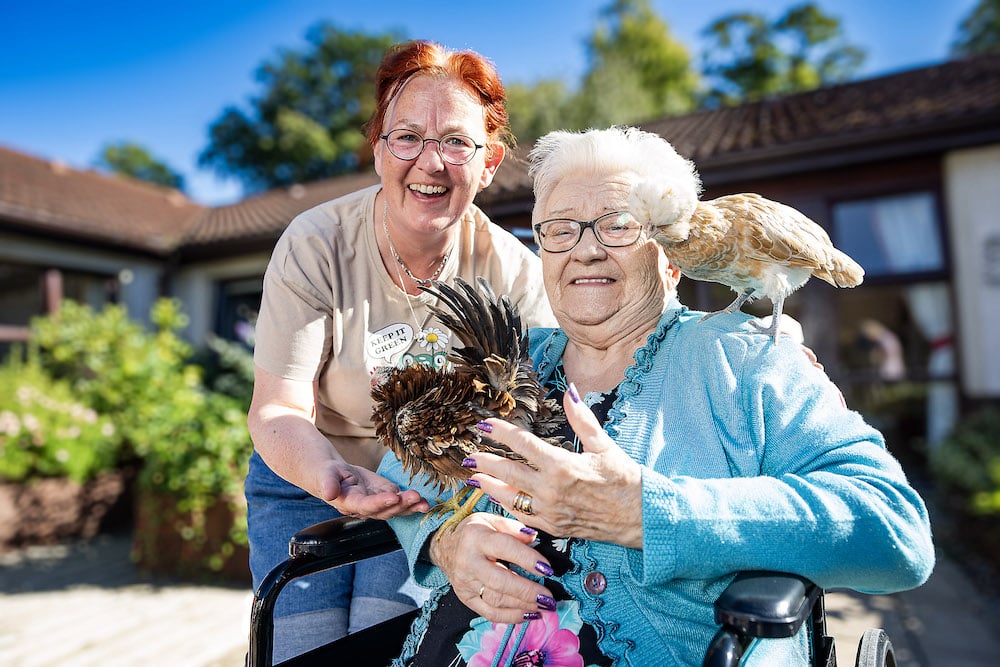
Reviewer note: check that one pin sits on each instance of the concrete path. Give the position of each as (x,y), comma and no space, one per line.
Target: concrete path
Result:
(83,605)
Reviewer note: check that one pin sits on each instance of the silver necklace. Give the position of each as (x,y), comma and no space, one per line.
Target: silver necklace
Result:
(399,260)
(431,337)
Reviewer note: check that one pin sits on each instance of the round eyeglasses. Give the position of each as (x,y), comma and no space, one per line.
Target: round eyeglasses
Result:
(453,148)
(614,230)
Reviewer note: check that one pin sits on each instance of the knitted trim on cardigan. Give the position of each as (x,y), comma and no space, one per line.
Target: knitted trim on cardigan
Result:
(611,644)
(419,628)
(632,384)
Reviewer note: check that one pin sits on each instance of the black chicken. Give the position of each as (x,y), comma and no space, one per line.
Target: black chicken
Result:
(427,416)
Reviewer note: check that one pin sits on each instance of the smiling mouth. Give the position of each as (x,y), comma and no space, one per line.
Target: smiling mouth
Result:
(427,189)
(592,281)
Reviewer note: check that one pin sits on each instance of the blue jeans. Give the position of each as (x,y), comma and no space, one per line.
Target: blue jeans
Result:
(322,607)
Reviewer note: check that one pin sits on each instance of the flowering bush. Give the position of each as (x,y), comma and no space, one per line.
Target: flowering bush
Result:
(46,432)
(100,389)
(118,366)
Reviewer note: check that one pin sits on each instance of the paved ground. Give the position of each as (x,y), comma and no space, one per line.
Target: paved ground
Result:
(83,605)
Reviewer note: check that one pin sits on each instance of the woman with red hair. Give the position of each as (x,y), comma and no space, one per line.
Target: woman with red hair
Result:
(342,297)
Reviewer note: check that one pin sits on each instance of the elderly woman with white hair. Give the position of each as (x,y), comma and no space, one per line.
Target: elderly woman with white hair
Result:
(703,449)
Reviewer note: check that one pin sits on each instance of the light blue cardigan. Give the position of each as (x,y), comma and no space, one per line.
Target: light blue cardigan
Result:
(749,461)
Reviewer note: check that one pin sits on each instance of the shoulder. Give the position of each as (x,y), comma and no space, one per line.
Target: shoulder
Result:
(334,216)
(328,230)
(509,265)
(732,342)
(545,347)
(323,240)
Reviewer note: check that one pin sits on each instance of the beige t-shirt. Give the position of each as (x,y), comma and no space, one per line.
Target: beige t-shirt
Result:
(331,312)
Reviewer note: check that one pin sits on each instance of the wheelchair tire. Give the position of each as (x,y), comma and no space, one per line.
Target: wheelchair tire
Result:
(875,650)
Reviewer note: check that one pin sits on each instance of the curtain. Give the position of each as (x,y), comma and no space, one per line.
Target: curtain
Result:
(930,306)
(908,233)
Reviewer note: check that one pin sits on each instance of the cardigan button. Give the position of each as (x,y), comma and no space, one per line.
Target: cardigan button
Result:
(595,583)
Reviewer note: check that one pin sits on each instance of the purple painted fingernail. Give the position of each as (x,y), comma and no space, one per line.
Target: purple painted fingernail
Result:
(544,568)
(484,427)
(574,396)
(545,602)
(531,616)
(474,483)
(531,532)
(468,463)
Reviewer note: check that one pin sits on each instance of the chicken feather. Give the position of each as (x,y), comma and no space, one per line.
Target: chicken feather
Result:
(755,246)
(427,416)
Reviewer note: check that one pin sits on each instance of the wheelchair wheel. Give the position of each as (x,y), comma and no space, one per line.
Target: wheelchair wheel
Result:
(875,650)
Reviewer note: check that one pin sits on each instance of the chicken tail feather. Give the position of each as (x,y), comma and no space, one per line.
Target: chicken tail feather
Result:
(841,271)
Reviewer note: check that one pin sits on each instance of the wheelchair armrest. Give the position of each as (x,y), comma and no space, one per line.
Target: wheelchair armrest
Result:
(344,539)
(765,605)
(325,545)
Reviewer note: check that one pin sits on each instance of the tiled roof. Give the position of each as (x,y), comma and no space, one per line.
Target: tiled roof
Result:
(915,105)
(510,184)
(266,215)
(940,107)
(53,199)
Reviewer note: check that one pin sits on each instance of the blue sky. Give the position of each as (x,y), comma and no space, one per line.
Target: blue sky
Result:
(75,76)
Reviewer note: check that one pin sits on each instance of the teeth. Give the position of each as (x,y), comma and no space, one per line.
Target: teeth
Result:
(583,281)
(429,189)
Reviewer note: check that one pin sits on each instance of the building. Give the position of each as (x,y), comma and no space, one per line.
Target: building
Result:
(902,170)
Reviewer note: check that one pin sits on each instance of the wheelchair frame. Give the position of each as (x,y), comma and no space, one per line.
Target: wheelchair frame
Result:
(755,605)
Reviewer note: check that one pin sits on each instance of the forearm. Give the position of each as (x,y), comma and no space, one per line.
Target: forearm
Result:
(414,532)
(293,448)
(866,530)
(281,424)
(814,490)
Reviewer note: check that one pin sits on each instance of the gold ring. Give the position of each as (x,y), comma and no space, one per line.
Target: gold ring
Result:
(522,503)
(482,589)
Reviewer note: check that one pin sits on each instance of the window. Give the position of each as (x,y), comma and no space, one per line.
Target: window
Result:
(891,235)
(28,290)
(238,304)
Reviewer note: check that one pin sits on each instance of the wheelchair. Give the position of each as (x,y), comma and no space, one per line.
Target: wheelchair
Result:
(755,605)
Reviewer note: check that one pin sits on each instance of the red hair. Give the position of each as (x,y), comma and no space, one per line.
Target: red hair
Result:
(408,59)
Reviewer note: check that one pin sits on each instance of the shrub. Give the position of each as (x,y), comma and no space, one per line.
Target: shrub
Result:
(119,367)
(968,461)
(228,368)
(45,431)
(191,442)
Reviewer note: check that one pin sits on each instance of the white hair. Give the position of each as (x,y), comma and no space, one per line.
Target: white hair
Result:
(648,158)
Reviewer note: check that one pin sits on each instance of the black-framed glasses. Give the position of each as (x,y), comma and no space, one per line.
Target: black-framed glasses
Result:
(614,230)
(453,148)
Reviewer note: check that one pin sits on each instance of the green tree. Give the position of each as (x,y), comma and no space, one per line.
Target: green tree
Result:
(130,159)
(749,58)
(637,71)
(979,32)
(538,108)
(307,122)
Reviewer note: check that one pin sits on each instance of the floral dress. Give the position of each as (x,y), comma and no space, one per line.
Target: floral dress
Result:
(458,637)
